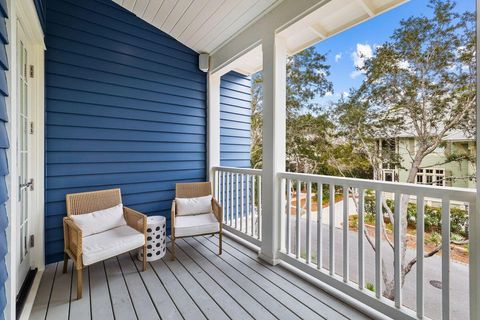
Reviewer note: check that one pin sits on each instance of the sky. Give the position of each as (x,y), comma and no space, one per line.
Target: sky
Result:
(345,50)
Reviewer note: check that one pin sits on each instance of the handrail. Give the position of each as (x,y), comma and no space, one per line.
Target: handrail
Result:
(257,172)
(457,194)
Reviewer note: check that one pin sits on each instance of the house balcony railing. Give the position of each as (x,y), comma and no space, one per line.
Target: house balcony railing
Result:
(314,227)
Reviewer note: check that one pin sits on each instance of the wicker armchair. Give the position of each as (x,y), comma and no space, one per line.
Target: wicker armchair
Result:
(192,190)
(86,202)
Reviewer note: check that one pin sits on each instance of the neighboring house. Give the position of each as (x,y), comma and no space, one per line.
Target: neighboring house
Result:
(437,168)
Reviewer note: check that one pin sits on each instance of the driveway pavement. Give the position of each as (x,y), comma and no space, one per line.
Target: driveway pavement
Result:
(432,271)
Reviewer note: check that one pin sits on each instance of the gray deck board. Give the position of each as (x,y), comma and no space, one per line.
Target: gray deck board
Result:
(183,301)
(40,306)
(202,298)
(296,282)
(144,306)
(121,301)
(242,297)
(60,297)
(198,285)
(100,301)
(80,308)
(231,307)
(277,308)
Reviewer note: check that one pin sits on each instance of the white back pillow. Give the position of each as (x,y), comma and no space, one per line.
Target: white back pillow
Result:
(189,206)
(100,221)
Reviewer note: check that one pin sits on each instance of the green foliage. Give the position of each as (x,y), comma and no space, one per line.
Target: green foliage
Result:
(370,286)
(432,217)
(434,238)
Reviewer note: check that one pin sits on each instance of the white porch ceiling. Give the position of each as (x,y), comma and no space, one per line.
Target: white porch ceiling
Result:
(202,25)
(328,20)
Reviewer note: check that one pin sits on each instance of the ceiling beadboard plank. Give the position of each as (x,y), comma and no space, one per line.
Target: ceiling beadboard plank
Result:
(152,10)
(190,14)
(235,13)
(198,21)
(214,20)
(177,14)
(128,4)
(118,2)
(257,10)
(163,13)
(139,7)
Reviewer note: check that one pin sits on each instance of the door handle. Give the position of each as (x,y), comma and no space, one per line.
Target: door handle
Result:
(27,185)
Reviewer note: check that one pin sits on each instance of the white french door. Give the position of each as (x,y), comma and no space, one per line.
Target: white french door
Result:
(24,152)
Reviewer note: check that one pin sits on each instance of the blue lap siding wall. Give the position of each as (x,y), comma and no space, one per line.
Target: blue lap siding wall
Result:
(4,144)
(235,101)
(125,107)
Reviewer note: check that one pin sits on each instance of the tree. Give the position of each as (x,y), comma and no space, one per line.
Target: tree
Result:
(421,82)
(306,78)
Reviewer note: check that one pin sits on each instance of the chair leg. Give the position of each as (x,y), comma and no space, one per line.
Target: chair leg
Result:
(79,283)
(220,243)
(65,262)
(173,248)
(145,258)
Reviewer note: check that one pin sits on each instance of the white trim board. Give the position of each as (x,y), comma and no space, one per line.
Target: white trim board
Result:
(24,11)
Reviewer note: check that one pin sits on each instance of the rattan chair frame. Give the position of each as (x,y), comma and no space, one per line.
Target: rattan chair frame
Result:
(86,202)
(193,190)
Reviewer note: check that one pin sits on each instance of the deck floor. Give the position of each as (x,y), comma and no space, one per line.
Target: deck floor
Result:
(198,285)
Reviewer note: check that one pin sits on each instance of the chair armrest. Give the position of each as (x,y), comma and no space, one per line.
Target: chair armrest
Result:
(136,220)
(172,218)
(73,238)
(217,210)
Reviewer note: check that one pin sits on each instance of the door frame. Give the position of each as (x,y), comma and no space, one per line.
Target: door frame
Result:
(24,12)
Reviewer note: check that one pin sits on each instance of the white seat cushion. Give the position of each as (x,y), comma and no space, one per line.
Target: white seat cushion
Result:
(196,224)
(110,243)
(100,221)
(198,205)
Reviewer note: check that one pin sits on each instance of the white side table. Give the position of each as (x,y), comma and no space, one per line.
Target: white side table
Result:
(156,238)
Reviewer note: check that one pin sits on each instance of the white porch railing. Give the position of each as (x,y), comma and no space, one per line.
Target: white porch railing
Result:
(297,235)
(239,192)
(316,232)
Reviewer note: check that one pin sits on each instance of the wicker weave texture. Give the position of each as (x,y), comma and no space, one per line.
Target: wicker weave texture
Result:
(192,190)
(86,202)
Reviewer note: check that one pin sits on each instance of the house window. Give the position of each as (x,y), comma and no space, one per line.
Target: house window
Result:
(433,176)
(388,175)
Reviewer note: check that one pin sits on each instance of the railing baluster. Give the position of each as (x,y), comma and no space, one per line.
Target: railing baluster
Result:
(345,234)
(397,262)
(236,201)
(223,196)
(331,229)
(227,199)
(319,224)
(259,209)
(288,231)
(308,232)
(361,230)
(445,258)
(297,219)
(378,243)
(253,207)
(242,201)
(247,204)
(420,253)
(232,192)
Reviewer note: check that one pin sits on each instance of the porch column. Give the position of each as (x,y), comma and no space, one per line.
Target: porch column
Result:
(213,124)
(274,98)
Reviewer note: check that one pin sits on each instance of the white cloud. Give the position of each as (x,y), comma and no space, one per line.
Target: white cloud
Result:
(362,53)
(328,94)
(338,56)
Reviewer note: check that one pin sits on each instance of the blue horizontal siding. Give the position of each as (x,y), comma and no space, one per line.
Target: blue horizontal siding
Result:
(235,101)
(4,145)
(125,107)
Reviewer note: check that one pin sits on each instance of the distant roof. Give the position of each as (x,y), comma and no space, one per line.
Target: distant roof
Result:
(456,135)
